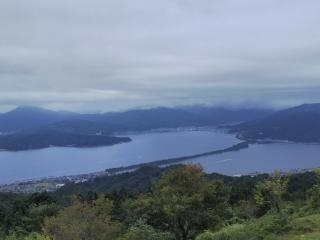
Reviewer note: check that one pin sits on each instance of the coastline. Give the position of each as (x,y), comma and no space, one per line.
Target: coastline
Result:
(53,183)
(157,163)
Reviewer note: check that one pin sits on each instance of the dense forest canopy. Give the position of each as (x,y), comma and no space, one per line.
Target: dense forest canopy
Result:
(179,202)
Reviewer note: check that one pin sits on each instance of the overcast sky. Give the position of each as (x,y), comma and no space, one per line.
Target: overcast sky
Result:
(101,55)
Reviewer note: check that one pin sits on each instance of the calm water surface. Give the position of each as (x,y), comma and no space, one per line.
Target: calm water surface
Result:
(144,148)
(148,147)
(264,158)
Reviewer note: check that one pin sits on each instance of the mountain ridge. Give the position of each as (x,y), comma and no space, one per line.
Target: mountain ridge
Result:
(299,124)
(28,117)
(25,117)
(32,128)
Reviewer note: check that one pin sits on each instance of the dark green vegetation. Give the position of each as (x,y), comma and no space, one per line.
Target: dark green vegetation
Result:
(32,128)
(45,138)
(179,202)
(300,124)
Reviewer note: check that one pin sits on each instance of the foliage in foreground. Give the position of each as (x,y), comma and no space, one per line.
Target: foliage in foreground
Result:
(270,227)
(183,204)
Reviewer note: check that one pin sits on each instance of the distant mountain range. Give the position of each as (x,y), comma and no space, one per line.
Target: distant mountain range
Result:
(31,128)
(23,118)
(26,117)
(300,124)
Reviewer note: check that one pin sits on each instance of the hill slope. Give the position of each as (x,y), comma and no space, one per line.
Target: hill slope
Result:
(29,117)
(44,138)
(23,118)
(33,128)
(300,124)
(155,118)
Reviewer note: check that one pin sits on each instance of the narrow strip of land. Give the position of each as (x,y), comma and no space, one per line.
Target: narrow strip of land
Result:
(235,147)
(53,183)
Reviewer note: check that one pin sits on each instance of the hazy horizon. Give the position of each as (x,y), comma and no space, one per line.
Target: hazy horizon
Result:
(227,107)
(116,55)
(142,108)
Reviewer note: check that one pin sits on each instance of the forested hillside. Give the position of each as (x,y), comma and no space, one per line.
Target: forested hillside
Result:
(25,117)
(179,202)
(299,124)
(44,138)
(26,128)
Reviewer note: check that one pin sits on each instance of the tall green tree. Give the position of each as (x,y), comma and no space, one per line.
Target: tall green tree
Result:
(184,202)
(271,191)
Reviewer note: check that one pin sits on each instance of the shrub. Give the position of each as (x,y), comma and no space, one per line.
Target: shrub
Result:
(269,225)
(142,231)
(313,197)
(233,232)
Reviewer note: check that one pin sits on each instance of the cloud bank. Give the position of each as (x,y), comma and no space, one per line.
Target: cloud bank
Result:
(116,54)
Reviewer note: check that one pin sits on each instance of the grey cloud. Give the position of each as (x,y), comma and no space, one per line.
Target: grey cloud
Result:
(101,55)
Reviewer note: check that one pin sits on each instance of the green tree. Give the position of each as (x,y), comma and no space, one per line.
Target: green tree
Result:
(141,231)
(184,202)
(83,221)
(36,215)
(31,236)
(313,195)
(270,192)
(36,236)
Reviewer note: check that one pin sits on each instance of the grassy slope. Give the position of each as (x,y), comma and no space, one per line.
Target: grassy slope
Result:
(306,228)
(271,227)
